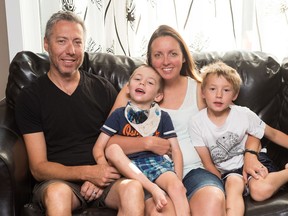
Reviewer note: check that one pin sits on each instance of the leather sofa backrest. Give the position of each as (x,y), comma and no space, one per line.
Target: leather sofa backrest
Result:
(277,153)
(283,118)
(261,74)
(27,66)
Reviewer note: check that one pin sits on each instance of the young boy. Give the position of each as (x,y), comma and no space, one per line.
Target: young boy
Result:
(220,131)
(143,117)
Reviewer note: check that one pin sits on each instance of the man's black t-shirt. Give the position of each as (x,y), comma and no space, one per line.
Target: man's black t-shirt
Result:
(71,124)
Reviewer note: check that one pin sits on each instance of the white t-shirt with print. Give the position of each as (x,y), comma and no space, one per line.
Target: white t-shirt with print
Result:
(227,142)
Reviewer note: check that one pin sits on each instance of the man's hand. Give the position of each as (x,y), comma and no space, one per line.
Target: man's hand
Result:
(90,191)
(102,175)
(157,145)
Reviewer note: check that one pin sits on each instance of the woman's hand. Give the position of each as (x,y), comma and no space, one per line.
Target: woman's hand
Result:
(157,145)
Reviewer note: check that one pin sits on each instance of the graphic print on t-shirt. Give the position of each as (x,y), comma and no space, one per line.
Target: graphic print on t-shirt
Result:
(226,147)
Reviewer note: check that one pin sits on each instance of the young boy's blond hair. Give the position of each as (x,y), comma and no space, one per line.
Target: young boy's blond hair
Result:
(221,69)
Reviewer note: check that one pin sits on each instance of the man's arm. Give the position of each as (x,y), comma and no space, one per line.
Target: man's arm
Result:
(42,169)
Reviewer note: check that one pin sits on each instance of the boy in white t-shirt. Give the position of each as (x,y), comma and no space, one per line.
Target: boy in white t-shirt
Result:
(219,133)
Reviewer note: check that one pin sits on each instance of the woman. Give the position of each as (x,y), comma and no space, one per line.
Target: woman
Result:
(170,56)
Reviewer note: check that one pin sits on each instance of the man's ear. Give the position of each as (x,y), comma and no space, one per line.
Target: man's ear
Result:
(159,97)
(46,44)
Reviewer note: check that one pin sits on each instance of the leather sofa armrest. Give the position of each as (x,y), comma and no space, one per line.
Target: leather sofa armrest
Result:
(15,180)
(278,153)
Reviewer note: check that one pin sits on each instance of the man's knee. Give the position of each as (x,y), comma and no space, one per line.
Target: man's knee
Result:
(130,188)
(56,191)
(128,197)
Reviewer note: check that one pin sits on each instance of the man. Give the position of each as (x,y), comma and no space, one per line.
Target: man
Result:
(60,116)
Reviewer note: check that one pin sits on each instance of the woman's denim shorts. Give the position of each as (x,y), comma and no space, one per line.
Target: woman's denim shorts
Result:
(199,178)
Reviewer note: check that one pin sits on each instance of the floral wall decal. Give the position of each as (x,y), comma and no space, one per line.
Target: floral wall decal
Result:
(125,26)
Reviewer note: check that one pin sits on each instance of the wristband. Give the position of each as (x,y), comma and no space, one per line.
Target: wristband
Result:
(251,152)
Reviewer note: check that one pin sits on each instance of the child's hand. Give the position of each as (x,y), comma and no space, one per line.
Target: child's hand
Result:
(253,167)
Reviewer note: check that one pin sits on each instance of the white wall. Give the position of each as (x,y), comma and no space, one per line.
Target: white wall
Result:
(23,26)
(14,37)
(4,51)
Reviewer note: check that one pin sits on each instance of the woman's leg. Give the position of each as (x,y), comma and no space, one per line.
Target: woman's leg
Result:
(205,193)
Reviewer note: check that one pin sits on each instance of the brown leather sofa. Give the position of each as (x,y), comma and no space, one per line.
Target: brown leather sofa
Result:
(264,90)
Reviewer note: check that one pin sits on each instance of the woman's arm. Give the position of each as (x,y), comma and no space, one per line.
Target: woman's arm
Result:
(131,145)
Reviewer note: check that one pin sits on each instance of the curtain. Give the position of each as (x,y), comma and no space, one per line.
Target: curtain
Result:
(124,26)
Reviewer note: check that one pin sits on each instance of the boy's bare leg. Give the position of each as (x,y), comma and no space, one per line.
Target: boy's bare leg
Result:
(176,191)
(264,188)
(117,157)
(234,187)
